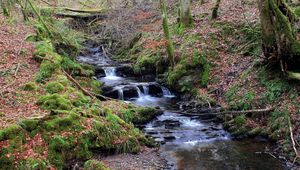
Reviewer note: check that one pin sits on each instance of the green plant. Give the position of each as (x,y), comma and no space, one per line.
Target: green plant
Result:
(54,87)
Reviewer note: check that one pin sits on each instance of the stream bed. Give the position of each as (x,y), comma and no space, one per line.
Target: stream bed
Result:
(187,142)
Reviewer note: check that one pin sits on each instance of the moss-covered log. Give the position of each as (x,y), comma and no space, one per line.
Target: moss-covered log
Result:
(280,45)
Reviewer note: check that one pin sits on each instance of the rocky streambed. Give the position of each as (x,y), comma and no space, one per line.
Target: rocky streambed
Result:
(187,141)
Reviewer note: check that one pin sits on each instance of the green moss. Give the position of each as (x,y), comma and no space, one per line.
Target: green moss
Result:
(10,132)
(94,165)
(79,99)
(61,123)
(54,87)
(54,102)
(29,124)
(47,68)
(31,86)
(146,64)
(96,86)
(240,120)
(33,164)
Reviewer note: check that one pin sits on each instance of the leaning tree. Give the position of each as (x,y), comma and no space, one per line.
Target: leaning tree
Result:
(280,44)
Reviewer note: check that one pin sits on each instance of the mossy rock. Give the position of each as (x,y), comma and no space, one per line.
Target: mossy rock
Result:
(29,124)
(10,132)
(145,115)
(54,87)
(54,102)
(94,165)
(78,99)
(31,86)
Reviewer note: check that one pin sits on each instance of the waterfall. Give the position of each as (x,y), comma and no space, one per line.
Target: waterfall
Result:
(110,71)
(120,94)
(146,89)
(166,92)
(139,92)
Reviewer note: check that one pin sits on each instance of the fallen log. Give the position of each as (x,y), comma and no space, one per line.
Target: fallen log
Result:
(81,16)
(90,11)
(266,110)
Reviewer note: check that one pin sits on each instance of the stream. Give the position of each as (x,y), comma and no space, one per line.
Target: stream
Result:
(187,142)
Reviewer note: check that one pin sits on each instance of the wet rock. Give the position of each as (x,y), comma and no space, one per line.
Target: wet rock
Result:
(99,72)
(155,90)
(169,138)
(112,94)
(125,71)
(130,92)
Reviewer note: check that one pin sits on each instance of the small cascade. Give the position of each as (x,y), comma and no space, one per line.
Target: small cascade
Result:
(139,92)
(120,94)
(166,92)
(146,90)
(110,71)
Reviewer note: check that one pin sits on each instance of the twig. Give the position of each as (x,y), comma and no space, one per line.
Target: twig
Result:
(292,138)
(5,87)
(17,69)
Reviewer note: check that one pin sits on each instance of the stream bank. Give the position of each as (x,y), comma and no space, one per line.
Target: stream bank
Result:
(186,141)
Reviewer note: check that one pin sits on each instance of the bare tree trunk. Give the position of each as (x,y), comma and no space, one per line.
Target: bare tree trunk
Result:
(184,13)
(280,45)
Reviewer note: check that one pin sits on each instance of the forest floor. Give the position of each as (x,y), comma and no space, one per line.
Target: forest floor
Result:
(17,68)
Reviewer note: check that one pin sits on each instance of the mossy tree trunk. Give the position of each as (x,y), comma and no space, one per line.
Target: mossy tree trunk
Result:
(215,9)
(169,43)
(280,45)
(184,13)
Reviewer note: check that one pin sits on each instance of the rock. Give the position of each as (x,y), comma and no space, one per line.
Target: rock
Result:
(112,94)
(155,90)
(125,71)
(99,72)
(130,92)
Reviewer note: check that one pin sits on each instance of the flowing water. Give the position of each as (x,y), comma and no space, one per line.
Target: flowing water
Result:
(187,142)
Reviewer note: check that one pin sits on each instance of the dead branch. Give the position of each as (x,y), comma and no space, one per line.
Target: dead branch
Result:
(86,92)
(266,110)
(17,69)
(292,138)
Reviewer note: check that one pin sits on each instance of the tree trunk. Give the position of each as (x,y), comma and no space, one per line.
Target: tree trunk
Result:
(184,13)
(280,45)
(169,43)
(215,9)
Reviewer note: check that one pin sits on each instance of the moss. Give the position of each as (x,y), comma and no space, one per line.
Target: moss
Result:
(33,164)
(94,165)
(54,87)
(146,64)
(144,115)
(54,102)
(29,124)
(47,68)
(10,132)
(79,99)
(96,86)
(61,123)
(31,86)
(240,120)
